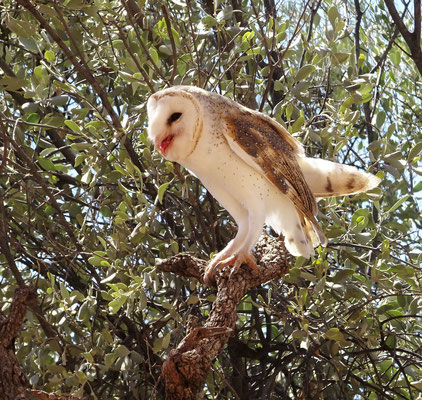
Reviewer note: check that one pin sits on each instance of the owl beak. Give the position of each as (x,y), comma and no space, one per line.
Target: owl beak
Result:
(163,145)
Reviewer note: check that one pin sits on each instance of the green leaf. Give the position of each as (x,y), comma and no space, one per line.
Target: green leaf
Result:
(397,204)
(154,55)
(62,85)
(98,261)
(12,83)
(333,15)
(46,164)
(32,118)
(81,146)
(49,56)
(72,125)
(380,119)
(304,72)
(116,304)
(339,58)
(161,190)
(106,211)
(415,151)
(342,275)
(334,334)
(297,125)
(39,72)
(109,360)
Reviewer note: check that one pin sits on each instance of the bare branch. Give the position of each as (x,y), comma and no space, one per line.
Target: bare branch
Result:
(413,40)
(188,365)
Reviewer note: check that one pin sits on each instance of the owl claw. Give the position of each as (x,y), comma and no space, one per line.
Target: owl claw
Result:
(236,260)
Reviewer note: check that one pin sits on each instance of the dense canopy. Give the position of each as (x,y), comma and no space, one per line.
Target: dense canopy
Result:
(88,207)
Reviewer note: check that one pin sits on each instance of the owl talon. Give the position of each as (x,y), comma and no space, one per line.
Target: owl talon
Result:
(240,259)
(209,272)
(236,260)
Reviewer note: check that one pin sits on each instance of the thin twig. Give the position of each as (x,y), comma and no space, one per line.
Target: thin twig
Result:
(134,58)
(173,44)
(141,42)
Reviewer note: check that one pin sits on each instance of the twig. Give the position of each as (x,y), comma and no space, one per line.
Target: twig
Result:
(314,10)
(141,42)
(134,58)
(297,29)
(173,44)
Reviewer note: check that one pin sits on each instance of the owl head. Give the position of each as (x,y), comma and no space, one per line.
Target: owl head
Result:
(174,123)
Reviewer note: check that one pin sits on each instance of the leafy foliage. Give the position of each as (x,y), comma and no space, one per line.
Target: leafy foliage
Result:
(87,205)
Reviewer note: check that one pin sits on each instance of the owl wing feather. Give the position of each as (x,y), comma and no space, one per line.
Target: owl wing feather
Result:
(267,147)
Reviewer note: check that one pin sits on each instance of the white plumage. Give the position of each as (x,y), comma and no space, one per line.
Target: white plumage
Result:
(252,166)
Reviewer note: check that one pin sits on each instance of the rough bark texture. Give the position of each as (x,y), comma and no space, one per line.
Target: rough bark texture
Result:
(187,366)
(13,384)
(412,39)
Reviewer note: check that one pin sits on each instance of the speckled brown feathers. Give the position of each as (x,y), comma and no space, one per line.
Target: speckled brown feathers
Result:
(275,151)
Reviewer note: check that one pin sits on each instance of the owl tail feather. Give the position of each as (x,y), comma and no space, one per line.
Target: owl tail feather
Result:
(300,234)
(327,179)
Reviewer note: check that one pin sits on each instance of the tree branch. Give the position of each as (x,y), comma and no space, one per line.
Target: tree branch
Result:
(187,366)
(398,20)
(13,383)
(417,26)
(172,42)
(412,39)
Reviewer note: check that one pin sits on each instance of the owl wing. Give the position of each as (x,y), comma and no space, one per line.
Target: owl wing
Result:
(267,147)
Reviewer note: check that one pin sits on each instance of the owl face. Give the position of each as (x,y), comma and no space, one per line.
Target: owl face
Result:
(175,123)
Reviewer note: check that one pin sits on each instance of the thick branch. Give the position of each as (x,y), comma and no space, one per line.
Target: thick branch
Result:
(188,365)
(13,383)
(417,30)
(412,39)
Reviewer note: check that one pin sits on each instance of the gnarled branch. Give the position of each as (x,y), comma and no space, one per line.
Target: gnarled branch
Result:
(187,366)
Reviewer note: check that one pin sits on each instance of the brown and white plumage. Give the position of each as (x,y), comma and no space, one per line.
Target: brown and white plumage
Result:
(252,166)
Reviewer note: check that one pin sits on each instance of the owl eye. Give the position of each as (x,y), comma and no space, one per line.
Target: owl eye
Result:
(174,117)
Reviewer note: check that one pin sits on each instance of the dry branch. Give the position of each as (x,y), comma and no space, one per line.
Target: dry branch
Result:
(187,366)
(13,383)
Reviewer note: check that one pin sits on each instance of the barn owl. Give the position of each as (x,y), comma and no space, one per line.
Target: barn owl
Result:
(252,166)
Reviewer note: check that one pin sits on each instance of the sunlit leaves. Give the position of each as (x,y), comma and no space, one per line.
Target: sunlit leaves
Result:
(114,315)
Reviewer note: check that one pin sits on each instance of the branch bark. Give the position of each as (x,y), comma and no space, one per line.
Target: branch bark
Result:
(412,39)
(13,383)
(187,366)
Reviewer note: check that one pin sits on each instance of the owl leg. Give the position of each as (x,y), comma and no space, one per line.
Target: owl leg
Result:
(219,258)
(238,251)
(243,255)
